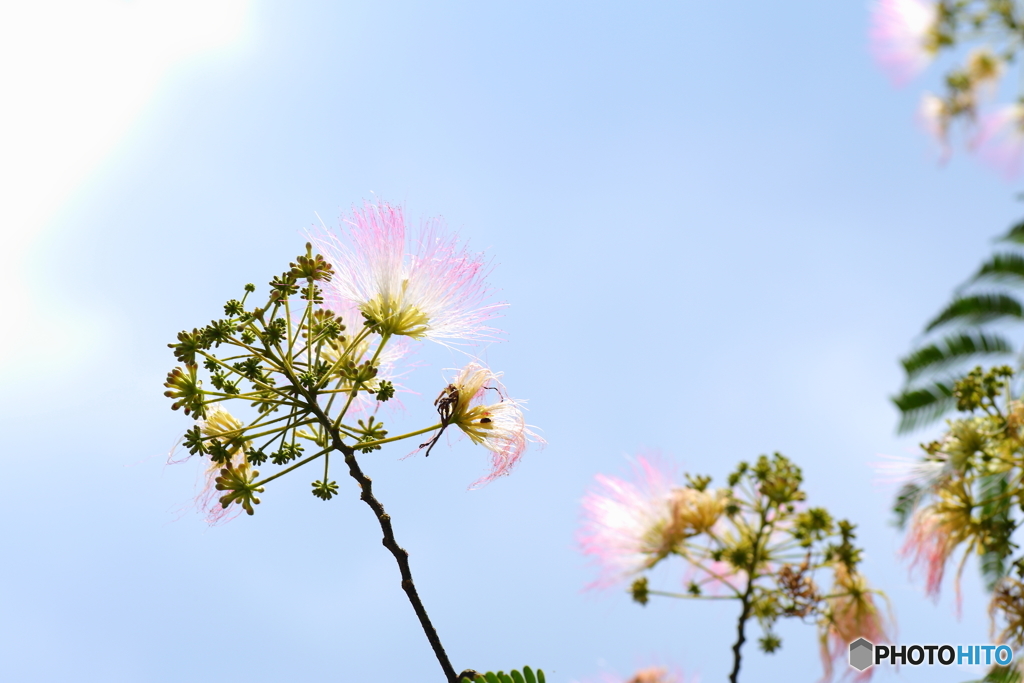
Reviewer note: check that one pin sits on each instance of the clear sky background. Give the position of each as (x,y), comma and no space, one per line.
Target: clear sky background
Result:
(718,227)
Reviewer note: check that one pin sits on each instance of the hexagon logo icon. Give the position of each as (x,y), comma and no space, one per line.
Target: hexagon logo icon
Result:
(860,654)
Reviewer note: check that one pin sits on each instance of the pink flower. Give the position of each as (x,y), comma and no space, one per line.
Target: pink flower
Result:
(924,474)
(628,525)
(931,541)
(432,290)
(655,674)
(1000,140)
(852,614)
(499,427)
(648,674)
(902,37)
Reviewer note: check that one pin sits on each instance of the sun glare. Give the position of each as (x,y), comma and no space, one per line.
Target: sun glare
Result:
(75,75)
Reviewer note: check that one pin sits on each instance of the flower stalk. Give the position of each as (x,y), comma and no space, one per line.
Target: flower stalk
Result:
(289,360)
(754,541)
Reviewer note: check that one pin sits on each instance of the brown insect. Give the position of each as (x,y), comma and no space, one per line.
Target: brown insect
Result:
(446,403)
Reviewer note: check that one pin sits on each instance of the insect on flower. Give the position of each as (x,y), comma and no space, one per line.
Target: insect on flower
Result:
(499,427)
(446,403)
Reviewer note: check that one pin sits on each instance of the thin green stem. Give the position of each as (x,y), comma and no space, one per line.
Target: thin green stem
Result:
(687,596)
(285,471)
(399,438)
(356,386)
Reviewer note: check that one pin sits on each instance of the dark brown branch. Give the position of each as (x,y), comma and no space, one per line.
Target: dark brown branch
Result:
(740,627)
(755,559)
(401,555)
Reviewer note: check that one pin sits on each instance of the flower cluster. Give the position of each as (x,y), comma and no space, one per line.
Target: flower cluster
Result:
(435,290)
(963,497)
(312,364)
(754,541)
(906,35)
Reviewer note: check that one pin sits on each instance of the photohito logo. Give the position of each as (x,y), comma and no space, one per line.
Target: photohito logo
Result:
(864,653)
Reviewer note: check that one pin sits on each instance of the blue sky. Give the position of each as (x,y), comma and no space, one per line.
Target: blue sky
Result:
(717,226)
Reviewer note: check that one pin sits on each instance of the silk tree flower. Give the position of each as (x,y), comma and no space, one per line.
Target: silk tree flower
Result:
(224,426)
(948,459)
(388,360)
(626,523)
(1007,606)
(655,674)
(499,427)
(630,526)
(697,511)
(934,116)
(924,474)
(1000,140)
(432,290)
(903,37)
(650,674)
(935,533)
(850,614)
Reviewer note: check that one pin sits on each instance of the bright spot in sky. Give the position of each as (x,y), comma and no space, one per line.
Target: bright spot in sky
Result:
(75,75)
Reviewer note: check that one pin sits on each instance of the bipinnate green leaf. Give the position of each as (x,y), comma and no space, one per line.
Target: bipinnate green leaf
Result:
(906,500)
(978,308)
(952,349)
(1015,235)
(995,515)
(1002,268)
(924,404)
(515,676)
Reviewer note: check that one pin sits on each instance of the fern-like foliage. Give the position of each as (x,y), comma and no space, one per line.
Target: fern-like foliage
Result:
(922,405)
(995,513)
(1002,268)
(952,350)
(527,675)
(978,309)
(1016,234)
(991,298)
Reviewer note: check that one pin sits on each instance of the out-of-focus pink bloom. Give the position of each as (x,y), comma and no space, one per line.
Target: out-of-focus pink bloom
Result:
(902,39)
(935,117)
(619,516)
(655,674)
(930,542)
(433,289)
(628,525)
(924,473)
(851,615)
(1000,140)
(499,427)
(650,674)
